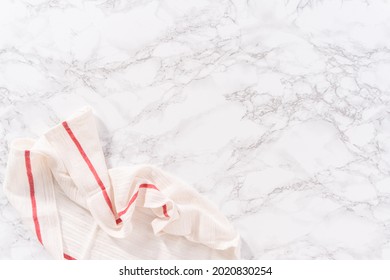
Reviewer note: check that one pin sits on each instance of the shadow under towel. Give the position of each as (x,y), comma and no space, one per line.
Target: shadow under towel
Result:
(80,209)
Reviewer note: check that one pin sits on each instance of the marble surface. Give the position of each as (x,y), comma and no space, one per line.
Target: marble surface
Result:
(278,111)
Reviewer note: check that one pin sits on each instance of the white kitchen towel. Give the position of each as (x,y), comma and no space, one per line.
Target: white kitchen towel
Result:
(80,209)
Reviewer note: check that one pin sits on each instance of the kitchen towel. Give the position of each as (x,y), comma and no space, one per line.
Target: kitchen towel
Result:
(80,209)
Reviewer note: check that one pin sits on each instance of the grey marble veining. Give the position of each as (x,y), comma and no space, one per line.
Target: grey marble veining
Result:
(278,111)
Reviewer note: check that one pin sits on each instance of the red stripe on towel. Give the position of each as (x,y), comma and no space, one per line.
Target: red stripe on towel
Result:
(164,207)
(91,167)
(134,197)
(67,257)
(32,194)
(148,186)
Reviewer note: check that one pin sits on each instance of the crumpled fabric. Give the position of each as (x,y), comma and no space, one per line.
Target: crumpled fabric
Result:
(80,209)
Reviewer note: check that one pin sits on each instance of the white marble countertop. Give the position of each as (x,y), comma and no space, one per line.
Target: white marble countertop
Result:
(278,111)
